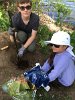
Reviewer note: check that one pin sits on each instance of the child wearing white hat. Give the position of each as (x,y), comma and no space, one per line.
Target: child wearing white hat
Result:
(62,63)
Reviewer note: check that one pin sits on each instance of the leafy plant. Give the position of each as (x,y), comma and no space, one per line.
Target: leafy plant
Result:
(4,20)
(73,40)
(44,34)
(63,11)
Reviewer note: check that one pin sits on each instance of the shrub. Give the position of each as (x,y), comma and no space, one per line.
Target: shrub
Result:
(4,20)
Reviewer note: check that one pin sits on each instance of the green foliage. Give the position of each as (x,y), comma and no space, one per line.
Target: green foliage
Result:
(73,40)
(44,34)
(36,6)
(4,20)
(63,11)
(18,89)
(62,8)
(10,5)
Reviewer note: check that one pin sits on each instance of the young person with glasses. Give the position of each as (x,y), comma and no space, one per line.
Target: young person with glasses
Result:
(26,23)
(61,64)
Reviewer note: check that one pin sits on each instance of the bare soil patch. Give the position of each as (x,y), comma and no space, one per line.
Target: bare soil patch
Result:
(8,69)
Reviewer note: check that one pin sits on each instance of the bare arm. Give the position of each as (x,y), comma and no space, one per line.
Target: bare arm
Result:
(31,38)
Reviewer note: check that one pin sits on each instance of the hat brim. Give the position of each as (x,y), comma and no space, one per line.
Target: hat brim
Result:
(50,42)
(46,42)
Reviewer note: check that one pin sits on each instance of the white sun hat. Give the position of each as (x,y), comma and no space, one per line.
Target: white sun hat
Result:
(61,38)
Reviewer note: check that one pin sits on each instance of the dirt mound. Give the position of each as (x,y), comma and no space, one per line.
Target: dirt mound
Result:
(8,69)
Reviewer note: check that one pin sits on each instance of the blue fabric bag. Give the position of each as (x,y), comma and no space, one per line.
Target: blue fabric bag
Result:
(37,76)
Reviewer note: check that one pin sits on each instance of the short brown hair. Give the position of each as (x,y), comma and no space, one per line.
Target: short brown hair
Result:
(23,1)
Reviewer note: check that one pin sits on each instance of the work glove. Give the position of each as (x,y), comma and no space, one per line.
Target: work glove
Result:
(11,30)
(21,51)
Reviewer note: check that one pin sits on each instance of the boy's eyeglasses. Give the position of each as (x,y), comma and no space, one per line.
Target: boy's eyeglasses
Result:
(23,7)
(56,46)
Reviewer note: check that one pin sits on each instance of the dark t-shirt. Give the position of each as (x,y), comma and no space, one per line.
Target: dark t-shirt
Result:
(20,25)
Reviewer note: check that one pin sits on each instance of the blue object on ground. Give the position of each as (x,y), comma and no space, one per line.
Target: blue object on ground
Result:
(37,76)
